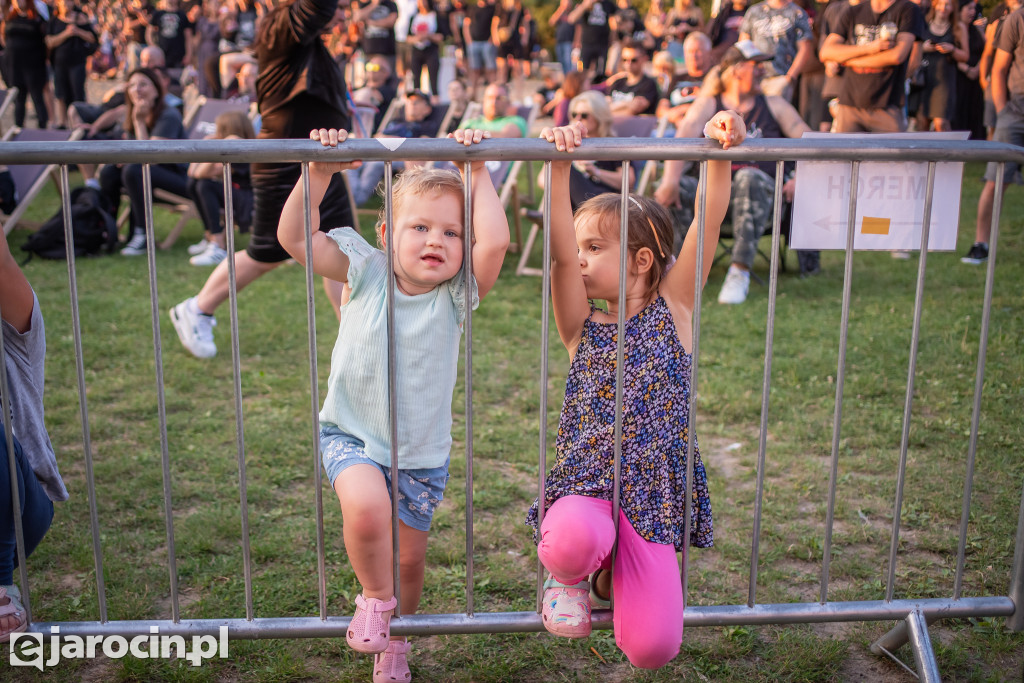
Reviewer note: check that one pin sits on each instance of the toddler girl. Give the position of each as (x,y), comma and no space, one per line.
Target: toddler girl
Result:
(578,532)
(355,432)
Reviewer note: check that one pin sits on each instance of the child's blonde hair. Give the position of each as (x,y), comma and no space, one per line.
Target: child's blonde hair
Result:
(648,225)
(419,181)
(233,123)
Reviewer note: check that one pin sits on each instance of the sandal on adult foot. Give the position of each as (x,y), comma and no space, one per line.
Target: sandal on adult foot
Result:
(566,609)
(597,601)
(12,609)
(392,665)
(369,631)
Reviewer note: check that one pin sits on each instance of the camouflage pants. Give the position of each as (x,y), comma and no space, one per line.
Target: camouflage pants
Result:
(750,210)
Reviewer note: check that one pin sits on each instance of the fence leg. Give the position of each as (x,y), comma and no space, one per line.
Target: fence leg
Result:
(914,629)
(921,643)
(1016,622)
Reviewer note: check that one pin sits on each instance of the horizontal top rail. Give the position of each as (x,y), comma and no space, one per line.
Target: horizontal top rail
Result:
(864,148)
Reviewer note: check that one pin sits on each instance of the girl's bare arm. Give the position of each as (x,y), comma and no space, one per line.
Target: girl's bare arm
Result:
(328,259)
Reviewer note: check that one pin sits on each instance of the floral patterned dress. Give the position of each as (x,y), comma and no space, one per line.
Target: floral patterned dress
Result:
(654,430)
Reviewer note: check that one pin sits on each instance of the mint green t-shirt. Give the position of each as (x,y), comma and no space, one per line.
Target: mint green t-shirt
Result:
(428,329)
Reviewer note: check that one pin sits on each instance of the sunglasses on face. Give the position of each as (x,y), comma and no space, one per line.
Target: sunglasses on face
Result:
(580,115)
(373,67)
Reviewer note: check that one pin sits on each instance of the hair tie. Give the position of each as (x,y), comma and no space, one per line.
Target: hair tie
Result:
(650,223)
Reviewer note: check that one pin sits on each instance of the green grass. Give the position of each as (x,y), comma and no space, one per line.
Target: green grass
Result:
(122,401)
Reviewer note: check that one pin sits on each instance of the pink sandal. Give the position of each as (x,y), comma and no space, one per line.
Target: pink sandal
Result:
(566,609)
(392,666)
(13,608)
(369,631)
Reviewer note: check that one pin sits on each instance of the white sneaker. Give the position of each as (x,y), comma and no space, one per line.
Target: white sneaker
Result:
(213,255)
(194,329)
(199,247)
(136,245)
(737,284)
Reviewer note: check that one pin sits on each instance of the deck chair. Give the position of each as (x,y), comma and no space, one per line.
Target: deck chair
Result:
(641,127)
(6,100)
(627,127)
(200,119)
(30,179)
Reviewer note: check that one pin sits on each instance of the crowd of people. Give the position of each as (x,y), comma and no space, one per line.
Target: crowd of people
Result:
(841,66)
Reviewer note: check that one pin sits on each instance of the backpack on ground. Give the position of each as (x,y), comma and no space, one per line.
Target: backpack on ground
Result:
(92,225)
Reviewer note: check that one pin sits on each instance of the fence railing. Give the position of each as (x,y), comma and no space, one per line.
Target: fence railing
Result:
(913,615)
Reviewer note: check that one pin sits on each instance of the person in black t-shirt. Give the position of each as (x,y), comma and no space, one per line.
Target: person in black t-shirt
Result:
(632,92)
(70,38)
(136,23)
(171,30)
(873,41)
(479,31)
(753,183)
(596,21)
(24,58)
(378,18)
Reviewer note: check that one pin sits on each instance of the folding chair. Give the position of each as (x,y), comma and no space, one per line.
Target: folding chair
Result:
(641,127)
(30,179)
(200,119)
(6,100)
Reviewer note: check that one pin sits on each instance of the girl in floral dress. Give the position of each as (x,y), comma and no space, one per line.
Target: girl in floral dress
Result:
(578,533)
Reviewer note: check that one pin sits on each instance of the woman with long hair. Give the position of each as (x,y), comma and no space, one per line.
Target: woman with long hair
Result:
(24,34)
(146,117)
(590,178)
(944,47)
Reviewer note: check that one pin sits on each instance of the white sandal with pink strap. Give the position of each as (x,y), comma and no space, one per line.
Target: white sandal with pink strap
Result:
(13,608)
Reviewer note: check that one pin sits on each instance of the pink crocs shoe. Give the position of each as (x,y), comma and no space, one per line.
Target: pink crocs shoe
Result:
(391,666)
(566,609)
(369,630)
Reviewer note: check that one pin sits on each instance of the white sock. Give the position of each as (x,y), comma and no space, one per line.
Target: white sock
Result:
(733,268)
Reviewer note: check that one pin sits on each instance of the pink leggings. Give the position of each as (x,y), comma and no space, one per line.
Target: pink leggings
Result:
(576,539)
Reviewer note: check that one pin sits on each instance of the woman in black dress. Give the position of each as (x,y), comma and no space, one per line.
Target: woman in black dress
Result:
(71,38)
(24,32)
(945,45)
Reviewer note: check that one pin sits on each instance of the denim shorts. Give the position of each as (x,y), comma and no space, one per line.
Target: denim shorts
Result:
(419,491)
(1009,128)
(483,55)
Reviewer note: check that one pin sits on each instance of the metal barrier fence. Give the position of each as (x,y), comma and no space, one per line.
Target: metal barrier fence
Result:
(913,615)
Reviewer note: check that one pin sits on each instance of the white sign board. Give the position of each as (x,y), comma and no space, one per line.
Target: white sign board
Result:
(890,201)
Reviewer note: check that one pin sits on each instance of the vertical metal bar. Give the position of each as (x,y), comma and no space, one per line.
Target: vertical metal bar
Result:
(766,385)
(236,372)
(908,401)
(76,330)
(921,644)
(545,329)
(467,248)
(979,385)
(1016,593)
(851,219)
(165,457)
(691,439)
(392,380)
(314,395)
(620,357)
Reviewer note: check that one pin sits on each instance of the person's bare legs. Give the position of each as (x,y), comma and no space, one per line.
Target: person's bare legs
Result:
(216,290)
(983,227)
(366,515)
(412,556)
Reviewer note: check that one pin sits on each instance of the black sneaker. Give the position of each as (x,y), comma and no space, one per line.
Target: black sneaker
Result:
(810,262)
(977,255)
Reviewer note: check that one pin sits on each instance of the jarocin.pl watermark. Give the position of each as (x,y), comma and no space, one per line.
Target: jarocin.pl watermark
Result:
(27,648)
